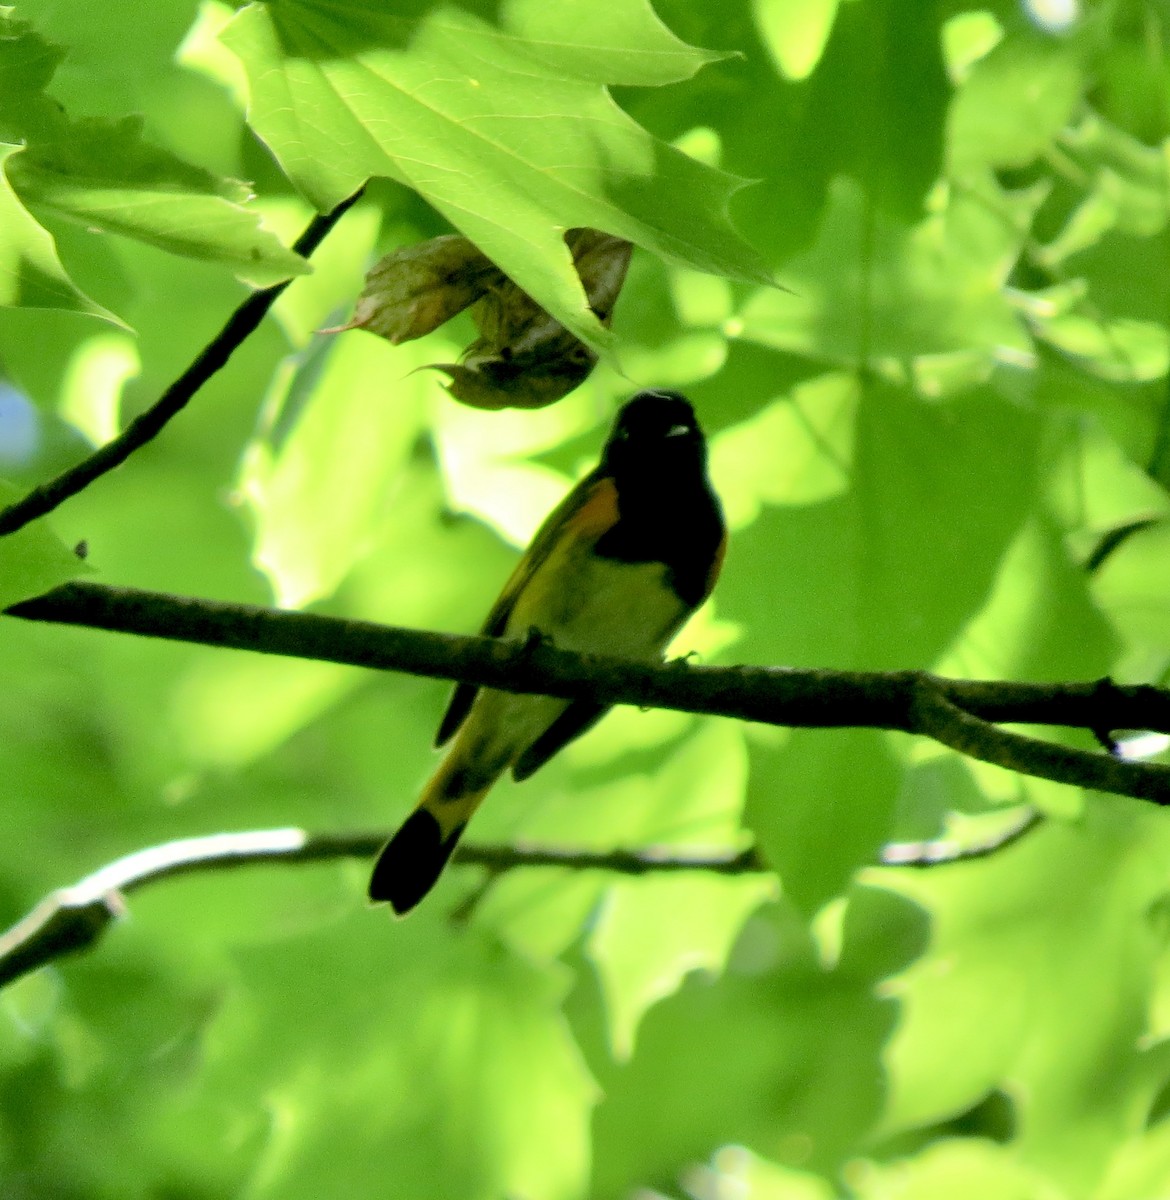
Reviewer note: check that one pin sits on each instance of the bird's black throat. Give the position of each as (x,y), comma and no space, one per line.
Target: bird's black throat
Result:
(668,513)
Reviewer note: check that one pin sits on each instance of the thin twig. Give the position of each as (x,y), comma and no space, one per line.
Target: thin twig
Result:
(937,852)
(957,713)
(72,919)
(1112,541)
(47,496)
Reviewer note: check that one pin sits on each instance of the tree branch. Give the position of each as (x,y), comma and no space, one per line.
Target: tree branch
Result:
(938,716)
(73,919)
(956,712)
(148,424)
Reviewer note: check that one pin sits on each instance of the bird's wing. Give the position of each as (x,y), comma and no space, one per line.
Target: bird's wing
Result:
(583,515)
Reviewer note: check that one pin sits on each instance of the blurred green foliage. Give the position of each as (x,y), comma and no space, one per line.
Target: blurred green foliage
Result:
(922,443)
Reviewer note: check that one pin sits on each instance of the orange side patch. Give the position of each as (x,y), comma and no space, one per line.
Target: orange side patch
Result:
(716,566)
(597,513)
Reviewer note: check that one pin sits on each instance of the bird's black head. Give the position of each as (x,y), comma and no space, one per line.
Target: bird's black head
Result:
(655,431)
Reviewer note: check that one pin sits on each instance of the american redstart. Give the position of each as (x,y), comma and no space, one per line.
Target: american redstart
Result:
(616,568)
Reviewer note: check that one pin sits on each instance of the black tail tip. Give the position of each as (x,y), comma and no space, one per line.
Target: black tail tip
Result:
(411,862)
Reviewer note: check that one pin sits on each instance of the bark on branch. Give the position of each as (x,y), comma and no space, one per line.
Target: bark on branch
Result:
(959,713)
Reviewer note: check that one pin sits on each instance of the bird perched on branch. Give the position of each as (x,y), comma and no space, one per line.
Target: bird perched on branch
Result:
(616,568)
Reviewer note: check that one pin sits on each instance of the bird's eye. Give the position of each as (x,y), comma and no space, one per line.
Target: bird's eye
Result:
(678,431)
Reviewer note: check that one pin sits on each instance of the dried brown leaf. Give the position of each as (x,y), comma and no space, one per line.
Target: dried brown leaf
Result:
(523,357)
(415,289)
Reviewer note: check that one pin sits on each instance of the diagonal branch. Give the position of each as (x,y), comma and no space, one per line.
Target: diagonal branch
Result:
(148,424)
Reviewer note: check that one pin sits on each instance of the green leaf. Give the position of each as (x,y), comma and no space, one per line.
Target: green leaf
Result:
(1094,486)
(488,466)
(899,582)
(1057,1029)
(1125,189)
(780,1055)
(461,1080)
(737,1170)
(872,291)
(795,33)
(1039,620)
(104,175)
(597,796)
(796,450)
(958,1168)
(652,933)
(339,265)
(1140,1166)
(1133,587)
(232,711)
(31,274)
(1014,102)
(507,132)
(1123,351)
(33,560)
(623,43)
(113,193)
(91,394)
(321,478)
(820,808)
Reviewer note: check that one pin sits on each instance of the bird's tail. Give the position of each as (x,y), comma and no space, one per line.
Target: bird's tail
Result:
(411,862)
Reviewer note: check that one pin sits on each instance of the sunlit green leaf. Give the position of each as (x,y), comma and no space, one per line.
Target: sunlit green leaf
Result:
(104,175)
(871,291)
(92,392)
(1122,351)
(322,476)
(1133,587)
(967,1169)
(460,1031)
(795,34)
(421,95)
(652,933)
(33,560)
(1014,102)
(1085,895)
(31,274)
(757,1178)
(797,450)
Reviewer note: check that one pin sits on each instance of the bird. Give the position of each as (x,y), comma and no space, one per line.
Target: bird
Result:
(616,568)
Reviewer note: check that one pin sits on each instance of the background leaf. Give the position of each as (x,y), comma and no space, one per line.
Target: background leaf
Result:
(104,175)
(945,448)
(33,561)
(31,274)
(342,97)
